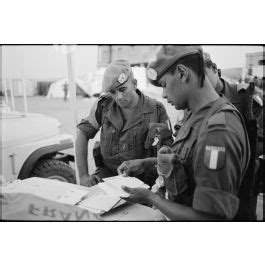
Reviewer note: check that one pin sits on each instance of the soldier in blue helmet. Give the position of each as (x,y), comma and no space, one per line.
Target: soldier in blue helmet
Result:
(129,122)
(204,168)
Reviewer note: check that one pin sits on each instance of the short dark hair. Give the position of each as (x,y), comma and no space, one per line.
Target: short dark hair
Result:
(210,64)
(195,62)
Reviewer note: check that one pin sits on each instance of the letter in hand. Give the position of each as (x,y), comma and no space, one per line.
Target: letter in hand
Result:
(131,168)
(90,181)
(137,195)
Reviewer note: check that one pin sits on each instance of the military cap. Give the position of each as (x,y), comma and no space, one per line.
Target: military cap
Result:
(116,74)
(167,56)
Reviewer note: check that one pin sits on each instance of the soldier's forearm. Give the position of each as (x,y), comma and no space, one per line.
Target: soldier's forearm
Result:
(81,153)
(82,165)
(149,162)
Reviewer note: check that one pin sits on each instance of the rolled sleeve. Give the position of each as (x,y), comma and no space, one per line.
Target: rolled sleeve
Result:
(87,128)
(216,202)
(90,125)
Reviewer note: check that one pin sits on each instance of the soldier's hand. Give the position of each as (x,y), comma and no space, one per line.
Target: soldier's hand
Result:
(137,195)
(165,160)
(131,168)
(89,181)
(159,131)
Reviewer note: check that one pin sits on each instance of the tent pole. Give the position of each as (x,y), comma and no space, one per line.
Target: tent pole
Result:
(5,90)
(25,96)
(72,93)
(10,81)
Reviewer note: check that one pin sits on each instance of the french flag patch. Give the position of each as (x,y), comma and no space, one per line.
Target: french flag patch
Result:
(214,157)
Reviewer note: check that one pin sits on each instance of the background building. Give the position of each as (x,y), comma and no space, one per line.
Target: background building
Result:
(255,63)
(137,55)
(255,59)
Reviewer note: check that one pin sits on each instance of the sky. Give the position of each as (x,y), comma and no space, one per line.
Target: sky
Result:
(44,62)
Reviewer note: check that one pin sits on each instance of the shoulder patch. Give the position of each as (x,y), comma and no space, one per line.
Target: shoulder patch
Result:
(214,157)
(218,118)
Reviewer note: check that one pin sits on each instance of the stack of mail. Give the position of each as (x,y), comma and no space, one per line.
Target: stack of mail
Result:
(98,201)
(113,185)
(107,195)
(100,198)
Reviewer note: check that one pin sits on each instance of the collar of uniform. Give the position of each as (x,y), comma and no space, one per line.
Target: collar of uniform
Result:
(143,106)
(193,121)
(145,103)
(115,117)
(200,113)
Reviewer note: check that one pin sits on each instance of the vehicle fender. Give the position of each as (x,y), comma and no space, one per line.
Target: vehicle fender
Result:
(37,154)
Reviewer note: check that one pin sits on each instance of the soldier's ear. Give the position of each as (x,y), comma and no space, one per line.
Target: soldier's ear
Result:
(182,72)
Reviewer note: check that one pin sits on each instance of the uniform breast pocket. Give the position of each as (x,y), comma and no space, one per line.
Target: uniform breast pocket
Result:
(138,136)
(132,141)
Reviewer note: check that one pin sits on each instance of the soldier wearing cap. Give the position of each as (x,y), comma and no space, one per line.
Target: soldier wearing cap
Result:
(128,120)
(204,167)
(232,91)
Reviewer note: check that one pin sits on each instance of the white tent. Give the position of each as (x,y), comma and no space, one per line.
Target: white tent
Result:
(56,89)
(96,81)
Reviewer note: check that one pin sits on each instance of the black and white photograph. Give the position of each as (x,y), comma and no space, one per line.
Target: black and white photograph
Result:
(132,132)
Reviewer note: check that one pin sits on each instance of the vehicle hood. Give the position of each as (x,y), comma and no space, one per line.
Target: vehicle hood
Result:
(21,129)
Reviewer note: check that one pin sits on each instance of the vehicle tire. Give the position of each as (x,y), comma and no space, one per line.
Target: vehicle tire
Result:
(54,169)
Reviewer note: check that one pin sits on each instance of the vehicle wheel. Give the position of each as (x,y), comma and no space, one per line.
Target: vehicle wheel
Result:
(54,169)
